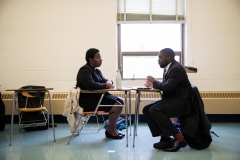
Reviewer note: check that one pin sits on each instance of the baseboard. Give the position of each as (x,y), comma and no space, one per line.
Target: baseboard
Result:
(235,118)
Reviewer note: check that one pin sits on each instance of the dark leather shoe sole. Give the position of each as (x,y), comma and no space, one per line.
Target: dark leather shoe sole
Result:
(161,145)
(164,143)
(176,146)
(121,134)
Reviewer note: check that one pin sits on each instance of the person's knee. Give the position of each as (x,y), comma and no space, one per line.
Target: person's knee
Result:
(120,100)
(145,110)
(115,109)
(151,112)
(154,112)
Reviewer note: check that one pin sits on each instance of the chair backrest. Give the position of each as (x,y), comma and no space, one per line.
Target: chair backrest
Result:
(26,100)
(25,94)
(36,99)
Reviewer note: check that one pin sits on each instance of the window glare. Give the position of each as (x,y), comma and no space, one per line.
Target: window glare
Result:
(141,69)
(142,66)
(150,37)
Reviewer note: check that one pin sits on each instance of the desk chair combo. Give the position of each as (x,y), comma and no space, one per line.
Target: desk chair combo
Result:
(81,119)
(28,101)
(32,110)
(137,105)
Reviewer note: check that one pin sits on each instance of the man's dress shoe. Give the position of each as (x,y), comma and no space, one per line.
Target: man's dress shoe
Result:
(176,146)
(164,143)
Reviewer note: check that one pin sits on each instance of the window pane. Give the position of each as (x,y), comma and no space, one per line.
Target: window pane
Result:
(142,66)
(150,37)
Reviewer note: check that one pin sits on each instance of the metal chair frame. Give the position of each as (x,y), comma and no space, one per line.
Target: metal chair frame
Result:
(35,109)
(14,101)
(86,115)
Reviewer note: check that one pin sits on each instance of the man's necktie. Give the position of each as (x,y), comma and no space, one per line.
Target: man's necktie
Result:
(164,73)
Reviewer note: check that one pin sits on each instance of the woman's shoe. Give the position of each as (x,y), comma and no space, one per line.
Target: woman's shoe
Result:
(108,135)
(121,134)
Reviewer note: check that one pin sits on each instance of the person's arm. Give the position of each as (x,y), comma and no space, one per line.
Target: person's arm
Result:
(174,78)
(109,83)
(85,77)
(148,84)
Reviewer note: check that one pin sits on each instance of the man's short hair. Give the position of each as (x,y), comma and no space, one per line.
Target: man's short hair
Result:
(168,52)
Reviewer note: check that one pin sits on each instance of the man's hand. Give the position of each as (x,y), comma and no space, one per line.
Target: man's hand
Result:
(150,79)
(148,84)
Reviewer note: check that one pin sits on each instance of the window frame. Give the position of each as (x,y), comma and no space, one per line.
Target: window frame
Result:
(120,54)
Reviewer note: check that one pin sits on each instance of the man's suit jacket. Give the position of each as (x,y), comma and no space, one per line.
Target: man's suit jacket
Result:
(90,78)
(196,126)
(176,89)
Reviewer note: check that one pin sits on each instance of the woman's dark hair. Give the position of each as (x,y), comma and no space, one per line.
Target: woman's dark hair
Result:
(168,52)
(91,53)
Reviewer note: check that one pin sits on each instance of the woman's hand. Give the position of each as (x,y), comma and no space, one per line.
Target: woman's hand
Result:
(110,82)
(109,85)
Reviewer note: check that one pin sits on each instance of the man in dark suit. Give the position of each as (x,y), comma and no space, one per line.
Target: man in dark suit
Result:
(175,102)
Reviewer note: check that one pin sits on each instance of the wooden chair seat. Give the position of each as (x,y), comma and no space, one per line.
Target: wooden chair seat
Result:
(97,113)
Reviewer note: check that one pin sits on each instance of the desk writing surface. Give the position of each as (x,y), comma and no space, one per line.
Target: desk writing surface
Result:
(189,71)
(106,90)
(145,89)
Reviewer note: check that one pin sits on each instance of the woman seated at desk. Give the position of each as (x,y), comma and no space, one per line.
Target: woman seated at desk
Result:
(91,78)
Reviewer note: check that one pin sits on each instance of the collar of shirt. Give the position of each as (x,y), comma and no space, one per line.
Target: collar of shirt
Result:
(167,67)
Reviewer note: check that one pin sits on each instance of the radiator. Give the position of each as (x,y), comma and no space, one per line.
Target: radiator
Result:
(214,102)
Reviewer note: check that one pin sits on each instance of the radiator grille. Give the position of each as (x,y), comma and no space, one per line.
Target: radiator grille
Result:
(204,95)
(9,96)
(143,95)
(59,95)
(220,95)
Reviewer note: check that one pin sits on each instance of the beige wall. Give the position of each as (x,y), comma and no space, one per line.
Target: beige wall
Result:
(44,42)
(213,44)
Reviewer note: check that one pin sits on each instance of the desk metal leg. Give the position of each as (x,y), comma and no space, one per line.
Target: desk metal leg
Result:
(126,114)
(130,114)
(12,117)
(138,105)
(51,108)
(136,116)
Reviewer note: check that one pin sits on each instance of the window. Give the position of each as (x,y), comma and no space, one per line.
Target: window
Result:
(144,28)
(140,45)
